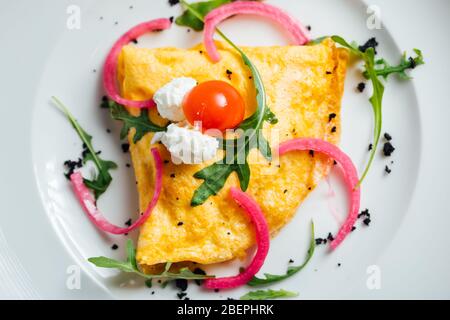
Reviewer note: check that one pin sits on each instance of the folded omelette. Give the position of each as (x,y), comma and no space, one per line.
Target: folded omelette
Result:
(304,86)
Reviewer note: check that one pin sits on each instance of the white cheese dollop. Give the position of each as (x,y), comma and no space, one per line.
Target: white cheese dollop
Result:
(169,98)
(187,145)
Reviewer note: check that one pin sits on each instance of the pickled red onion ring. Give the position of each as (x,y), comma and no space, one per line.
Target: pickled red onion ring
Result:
(298,32)
(89,206)
(110,67)
(262,240)
(350,176)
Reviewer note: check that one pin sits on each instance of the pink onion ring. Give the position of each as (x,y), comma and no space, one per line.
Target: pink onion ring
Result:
(89,206)
(262,240)
(350,175)
(298,32)
(110,67)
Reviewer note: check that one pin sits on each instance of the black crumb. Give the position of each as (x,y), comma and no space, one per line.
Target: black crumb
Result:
(331,116)
(199,272)
(114,246)
(187,298)
(364,213)
(230,298)
(128,222)
(116,23)
(361,86)
(108,130)
(285,191)
(181,295)
(311,153)
(131,7)
(181,284)
(134,41)
(328,72)
(153,292)
(94,70)
(250,77)
(188,30)
(387,136)
(370,147)
(308,27)
(128,165)
(339,264)
(173,2)
(171,19)
(353,228)
(334,162)
(229,73)
(71,166)
(388,149)
(333,130)
(216,290)
(330,237)
(180,223)
(200,51)
(371,43)
(387,170)
(125,147)
(172,175)
(291,261)
(320,241)
(367,221)
(166,161)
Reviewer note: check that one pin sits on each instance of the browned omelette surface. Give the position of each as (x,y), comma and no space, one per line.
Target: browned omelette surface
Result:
(304,85)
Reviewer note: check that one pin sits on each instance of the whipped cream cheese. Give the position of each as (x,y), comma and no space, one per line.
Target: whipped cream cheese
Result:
(169,98)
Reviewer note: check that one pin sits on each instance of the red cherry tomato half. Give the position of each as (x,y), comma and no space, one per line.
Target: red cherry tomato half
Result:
(217,104)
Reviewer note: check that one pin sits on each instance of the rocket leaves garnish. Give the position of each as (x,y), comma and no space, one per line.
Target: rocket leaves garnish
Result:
(268,294)
(271,278)
(142,124)
(372,72)
(188,19)
(216,175)
(131,266)
(103,178)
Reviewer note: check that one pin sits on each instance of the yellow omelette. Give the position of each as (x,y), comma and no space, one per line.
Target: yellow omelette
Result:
(304,86)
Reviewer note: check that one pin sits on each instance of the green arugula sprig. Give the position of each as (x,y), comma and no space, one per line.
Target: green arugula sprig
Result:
(131,266)
(271,278)
(216,175)
(189,19)
(103,179)
(372,73)
(142,124)
(268,294)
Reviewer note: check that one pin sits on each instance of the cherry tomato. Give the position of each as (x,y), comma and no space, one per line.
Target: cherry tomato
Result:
(217,104)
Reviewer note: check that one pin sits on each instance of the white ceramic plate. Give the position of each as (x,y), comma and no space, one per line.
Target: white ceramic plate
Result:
(45,237)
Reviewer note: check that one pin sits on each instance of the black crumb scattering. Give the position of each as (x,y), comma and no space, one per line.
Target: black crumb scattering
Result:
(371,43)
(181,284)
(199,272)
(387,136)
(308,27)
(361,86)
(330,237)
(331,116)
(320,241)
(180,223)
(387,170)
(388,149)
(367,221)
(125,147)
(311,153)
(173,2)
(370,147)
(114,246)
(71,166)
(181,295)
(291,261)
(128,222)
(333,130)
(353,228)
(171,19)
(172,175)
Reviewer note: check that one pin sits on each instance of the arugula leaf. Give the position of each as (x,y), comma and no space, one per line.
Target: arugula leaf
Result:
(131,266)
(405,64)
(372,73)
(142,124)
(271,278)
(188,19)
(103,179)
(216,175)
(268,294)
